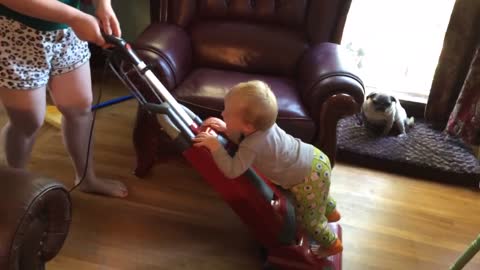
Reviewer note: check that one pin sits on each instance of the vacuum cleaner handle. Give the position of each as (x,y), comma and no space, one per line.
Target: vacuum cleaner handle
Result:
(123,46)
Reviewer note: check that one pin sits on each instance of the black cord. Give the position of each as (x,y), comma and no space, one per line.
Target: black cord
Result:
(92,125)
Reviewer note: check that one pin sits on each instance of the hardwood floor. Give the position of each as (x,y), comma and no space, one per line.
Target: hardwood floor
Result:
(172,220)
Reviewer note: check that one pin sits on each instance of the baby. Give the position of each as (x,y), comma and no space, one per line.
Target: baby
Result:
(250,114)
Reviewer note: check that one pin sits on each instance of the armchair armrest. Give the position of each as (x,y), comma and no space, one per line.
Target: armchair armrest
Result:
(35,218)
(330,90)
(326,70)
(167,50)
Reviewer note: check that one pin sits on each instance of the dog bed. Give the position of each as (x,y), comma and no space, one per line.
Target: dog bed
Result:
(424,152)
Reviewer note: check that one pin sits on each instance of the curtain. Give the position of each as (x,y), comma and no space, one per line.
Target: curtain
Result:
(454,100)
(459,49)
(464,120)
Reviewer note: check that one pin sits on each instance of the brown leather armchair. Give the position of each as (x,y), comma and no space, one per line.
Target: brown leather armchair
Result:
(201,48)
(35,215)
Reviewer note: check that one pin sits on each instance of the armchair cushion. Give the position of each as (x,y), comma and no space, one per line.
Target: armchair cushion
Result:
(231,45)
(287,13)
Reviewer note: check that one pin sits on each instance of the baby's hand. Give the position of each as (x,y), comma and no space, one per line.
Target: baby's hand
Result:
(208,140)
(215,123)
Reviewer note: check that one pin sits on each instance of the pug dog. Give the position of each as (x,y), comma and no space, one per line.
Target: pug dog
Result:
(381,111)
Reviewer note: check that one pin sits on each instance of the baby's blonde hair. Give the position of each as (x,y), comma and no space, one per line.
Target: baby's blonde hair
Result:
(258,103)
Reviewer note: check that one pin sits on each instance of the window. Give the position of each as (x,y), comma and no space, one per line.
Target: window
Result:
(396,43)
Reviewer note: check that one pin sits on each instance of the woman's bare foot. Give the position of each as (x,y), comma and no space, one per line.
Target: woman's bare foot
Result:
(103,187)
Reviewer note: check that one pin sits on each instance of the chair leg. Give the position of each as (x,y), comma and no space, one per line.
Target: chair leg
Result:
(333,109)
(145,141)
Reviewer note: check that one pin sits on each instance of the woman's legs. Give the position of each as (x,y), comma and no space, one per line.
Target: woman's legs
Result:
(72,94)
(26,112)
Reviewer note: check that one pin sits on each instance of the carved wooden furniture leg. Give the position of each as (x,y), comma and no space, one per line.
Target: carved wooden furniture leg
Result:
(145,141)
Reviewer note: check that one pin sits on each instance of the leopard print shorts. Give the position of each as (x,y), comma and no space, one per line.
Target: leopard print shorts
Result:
(29,57)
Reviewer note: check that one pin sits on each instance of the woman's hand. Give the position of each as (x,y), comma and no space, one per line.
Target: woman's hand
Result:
(208,140)
(215,123)
(86,28)
(107,18)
